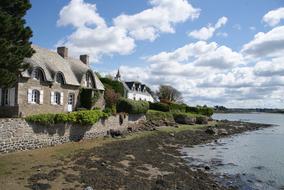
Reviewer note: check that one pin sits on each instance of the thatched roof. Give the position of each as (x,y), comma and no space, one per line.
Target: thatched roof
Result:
(52,63)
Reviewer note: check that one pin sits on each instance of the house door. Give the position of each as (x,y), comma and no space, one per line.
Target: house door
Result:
(70,102)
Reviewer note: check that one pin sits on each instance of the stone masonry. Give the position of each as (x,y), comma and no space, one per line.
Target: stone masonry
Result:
(18,135)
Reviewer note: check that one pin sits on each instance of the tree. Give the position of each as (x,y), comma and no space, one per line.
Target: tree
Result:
(111,97)
(169,94)
(114,84)
(14,40)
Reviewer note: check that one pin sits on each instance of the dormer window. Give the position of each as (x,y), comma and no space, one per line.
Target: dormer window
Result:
(37,74)
(59,78)
(89,81)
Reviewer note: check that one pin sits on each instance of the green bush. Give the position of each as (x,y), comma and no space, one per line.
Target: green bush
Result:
(88,98)
(189,118)
(113,84)
(46,119)
(177,107)
(200,110)
(81,117)
(159,107)
(191,109)
(132,106)
(153,115)
(206,111)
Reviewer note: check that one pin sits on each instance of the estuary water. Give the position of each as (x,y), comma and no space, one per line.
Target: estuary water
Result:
(252,160)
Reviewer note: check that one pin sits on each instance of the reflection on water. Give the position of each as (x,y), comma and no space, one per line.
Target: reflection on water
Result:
(254,159)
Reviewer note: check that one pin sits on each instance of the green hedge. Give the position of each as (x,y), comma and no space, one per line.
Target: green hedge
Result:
(177,107)
(153,115)
(132,106)
(159,107)
(191,109)
(200,110)
(81,117)
(190,118)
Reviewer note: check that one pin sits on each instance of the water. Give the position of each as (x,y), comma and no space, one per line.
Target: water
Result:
(253,160)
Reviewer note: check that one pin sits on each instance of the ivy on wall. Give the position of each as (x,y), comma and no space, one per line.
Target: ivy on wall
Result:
(88,98)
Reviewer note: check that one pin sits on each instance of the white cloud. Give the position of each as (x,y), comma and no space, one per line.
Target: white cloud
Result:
(207,73)
(93,36)
(99,41)
(268,44)
(201,54)
(147,24)
(78,14)
(274,67)
(206,33)
(273,18)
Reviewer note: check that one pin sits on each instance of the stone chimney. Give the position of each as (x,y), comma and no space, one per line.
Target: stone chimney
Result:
(85,59)
(63,52)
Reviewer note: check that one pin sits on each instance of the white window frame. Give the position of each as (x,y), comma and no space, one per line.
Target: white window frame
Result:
(35,96)
(57,98)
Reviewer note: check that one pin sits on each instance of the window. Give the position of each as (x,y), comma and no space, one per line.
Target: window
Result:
(5,97)
(35,97)
(57,98)
(37,74)
(59,78)
(89,83)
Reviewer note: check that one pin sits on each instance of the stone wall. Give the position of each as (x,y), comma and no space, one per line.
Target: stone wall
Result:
(17,134)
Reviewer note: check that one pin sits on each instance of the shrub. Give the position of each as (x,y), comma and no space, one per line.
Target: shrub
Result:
(191,109)
(153,115)
(113,84)
(81,117)
(132,106)
(178,107)
(206,111)
(190,118)
(88,98)
(159,107)
(111,97)
(200,110)
(45,119)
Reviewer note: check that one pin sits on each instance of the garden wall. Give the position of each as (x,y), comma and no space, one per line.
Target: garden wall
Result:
(17,134)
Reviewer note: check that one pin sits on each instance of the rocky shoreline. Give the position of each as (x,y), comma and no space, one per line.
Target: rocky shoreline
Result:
(152,161)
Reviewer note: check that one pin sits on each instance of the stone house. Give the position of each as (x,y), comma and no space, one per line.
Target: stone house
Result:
(52,84)
(135,90)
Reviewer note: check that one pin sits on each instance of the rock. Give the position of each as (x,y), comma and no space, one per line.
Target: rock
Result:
(207,168)
(172,134)
(115,133)
(182,119)
(211,131)
(130,129)
(202,120)
(223,132)
(89,188)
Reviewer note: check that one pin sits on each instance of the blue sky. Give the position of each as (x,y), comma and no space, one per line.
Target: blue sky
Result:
(123,48)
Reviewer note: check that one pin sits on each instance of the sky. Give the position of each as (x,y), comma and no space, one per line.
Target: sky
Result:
(216,52)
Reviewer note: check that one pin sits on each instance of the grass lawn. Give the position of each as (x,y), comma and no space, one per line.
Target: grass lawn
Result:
(15,168)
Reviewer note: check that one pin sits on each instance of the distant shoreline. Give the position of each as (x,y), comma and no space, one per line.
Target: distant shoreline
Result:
(256,110)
